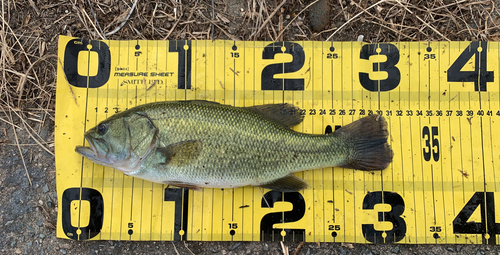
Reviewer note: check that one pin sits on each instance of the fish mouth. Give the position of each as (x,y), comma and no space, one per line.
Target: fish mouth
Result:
(88,152)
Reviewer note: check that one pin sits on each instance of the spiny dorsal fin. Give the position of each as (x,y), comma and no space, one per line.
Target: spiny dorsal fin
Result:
(200,102)
(288,183)
(181,153)
(285,114)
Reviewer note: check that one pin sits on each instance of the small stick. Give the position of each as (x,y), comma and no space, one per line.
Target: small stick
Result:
(152,85)
(296,252)
(125,21)
(188,248)
(291,21)
(66,78)
(269,18)
(20,152)
(285,249)
(175,248)
(354,17)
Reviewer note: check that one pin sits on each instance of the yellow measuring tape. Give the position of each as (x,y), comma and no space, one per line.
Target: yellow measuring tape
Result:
(441,101)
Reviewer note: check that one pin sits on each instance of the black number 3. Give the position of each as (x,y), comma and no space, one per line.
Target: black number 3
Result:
(398,232)
(389,66)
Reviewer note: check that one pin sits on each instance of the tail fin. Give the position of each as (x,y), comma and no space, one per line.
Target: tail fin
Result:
(368,139)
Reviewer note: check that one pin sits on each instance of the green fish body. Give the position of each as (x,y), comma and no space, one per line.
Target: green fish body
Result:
(195,144)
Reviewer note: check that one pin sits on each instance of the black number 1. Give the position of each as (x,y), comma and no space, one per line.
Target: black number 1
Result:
(184,68)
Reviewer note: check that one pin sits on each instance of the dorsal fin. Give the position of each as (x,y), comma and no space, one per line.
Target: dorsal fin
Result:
(285,114)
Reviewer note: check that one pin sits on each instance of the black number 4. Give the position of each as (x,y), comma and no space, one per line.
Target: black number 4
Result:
(486,201)
(431,137)
(480,76)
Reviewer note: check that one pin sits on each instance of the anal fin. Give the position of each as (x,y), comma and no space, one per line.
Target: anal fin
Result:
(289,183)
(184,185)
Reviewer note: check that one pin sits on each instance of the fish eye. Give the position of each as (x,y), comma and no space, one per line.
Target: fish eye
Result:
(102,128)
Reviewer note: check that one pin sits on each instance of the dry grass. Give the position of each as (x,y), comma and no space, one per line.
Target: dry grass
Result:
(29,31)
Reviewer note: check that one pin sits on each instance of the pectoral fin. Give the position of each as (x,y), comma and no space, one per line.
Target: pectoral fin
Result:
(184,185)
(181,153)
(288,183)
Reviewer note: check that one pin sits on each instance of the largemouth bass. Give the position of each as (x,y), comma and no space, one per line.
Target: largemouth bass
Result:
(195,144)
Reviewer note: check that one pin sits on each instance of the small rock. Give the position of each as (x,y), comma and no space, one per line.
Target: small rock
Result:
(479,253)
(49,204)
(395,249)
(430,253)
(63,251)
(319,15)
(212,249)
(459,248)
(266,247)
(308,251)
(45,188)
(367,252)
(40,222)
(236,245)
(41,236)
(18,251)
(13,244)
(342,251)
(375,252)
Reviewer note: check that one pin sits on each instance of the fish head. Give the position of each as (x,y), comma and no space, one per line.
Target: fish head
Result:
(122,142)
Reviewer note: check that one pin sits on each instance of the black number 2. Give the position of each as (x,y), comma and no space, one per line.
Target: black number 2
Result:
(480,76)
(268,81)
(266,224)
(431,143)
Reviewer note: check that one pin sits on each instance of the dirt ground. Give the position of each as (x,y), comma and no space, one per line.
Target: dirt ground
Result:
(28,39)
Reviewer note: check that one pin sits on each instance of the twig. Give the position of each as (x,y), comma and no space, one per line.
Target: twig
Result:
(213,18)
(125,21)
(66,78)
(27,128)
(269,18)
(296,252)
(354,17)
(22,81)
(175,248)
(20,152)
(284,248)
(185,245)
(291,21)
(97,22)
(226,33)
(152,85)
(421,20)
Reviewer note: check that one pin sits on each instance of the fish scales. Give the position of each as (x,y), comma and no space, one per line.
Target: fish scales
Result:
(197,144)
(240,147)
